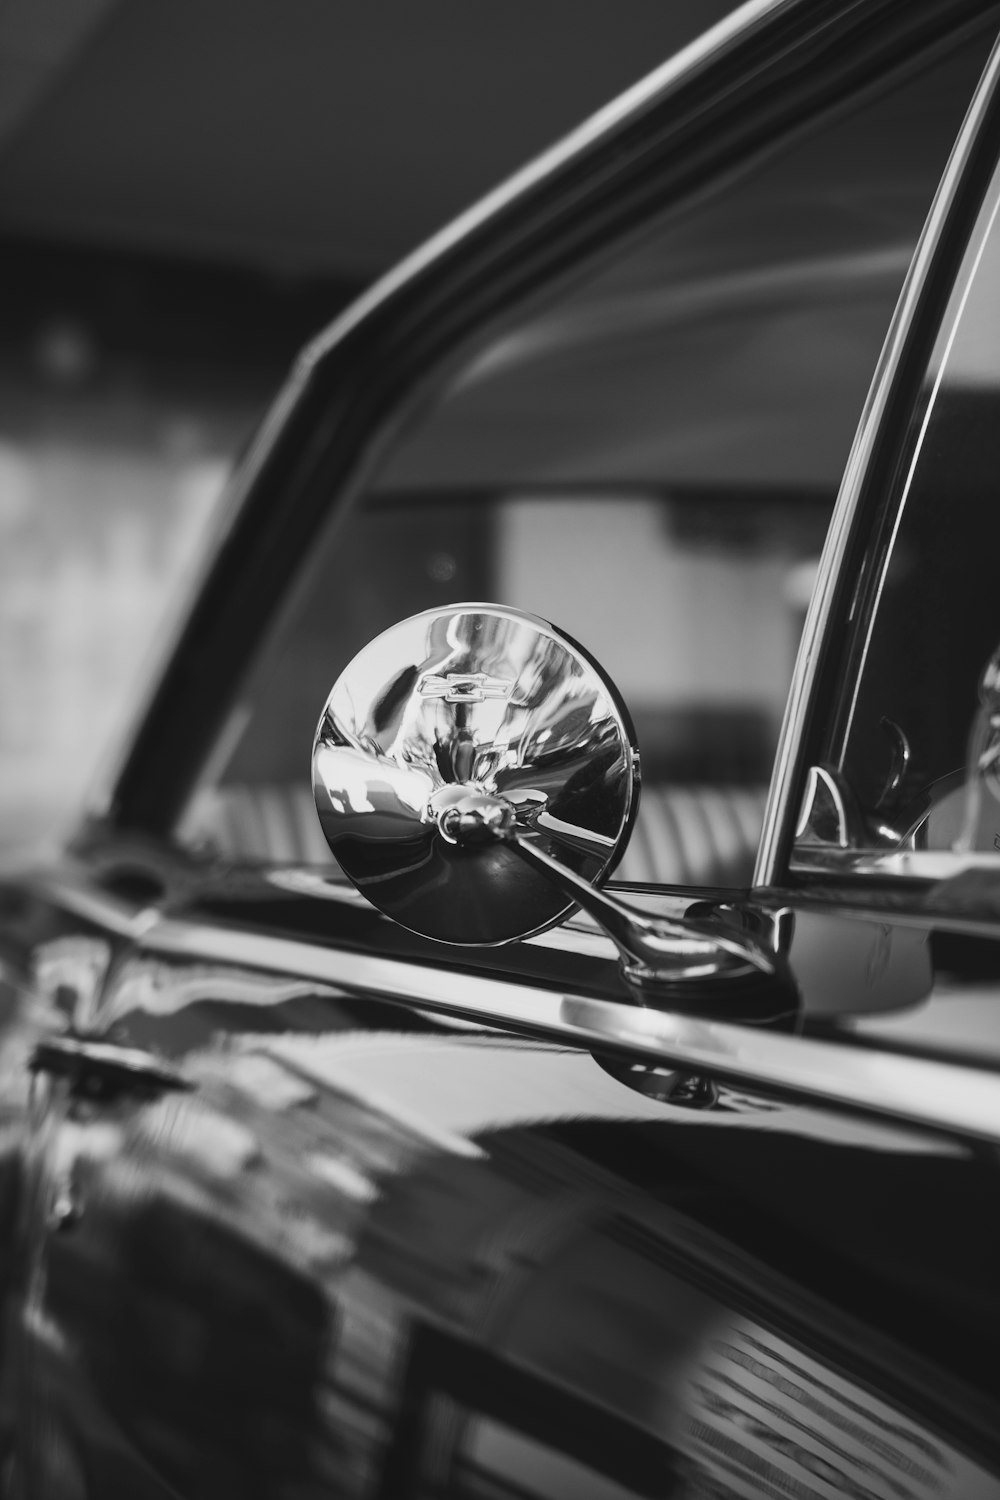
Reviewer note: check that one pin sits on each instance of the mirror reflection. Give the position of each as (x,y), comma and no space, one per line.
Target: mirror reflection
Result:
(472,711)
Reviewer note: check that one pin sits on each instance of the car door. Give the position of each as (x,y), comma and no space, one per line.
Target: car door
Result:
(316,1206)
(373,1249)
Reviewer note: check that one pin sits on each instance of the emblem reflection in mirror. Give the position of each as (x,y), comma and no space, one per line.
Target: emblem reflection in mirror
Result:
(457,720)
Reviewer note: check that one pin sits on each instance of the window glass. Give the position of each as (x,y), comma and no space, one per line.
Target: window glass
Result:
(649,462)
(650,596)
(915,757)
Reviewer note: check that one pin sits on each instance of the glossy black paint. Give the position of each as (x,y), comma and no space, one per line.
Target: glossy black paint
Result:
(363,1244)
(368,1250)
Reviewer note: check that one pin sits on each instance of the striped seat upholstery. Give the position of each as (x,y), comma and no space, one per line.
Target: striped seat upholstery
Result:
(259,823)
(695,835)
(687,835)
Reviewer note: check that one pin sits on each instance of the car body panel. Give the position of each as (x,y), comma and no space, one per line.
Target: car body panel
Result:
(350,1190)
(359,1208)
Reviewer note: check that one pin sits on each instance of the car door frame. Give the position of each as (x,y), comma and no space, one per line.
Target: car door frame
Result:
(867,477)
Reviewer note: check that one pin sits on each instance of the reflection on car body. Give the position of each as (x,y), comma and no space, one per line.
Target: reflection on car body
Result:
(297,1198)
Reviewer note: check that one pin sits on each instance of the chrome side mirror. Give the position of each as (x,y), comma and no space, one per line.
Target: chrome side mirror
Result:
(476,776)
(448,732)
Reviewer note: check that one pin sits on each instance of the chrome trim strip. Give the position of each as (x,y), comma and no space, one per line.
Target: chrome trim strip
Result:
(915,864)
(780,811)
(578,934)
(128,1067)
(105,911)
(957,315)
(942,1096)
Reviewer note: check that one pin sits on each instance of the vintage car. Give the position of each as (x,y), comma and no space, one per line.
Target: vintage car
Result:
(408,1106)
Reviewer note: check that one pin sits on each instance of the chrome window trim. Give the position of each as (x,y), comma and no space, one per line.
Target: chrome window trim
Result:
(578,933)
(913,864)
(120,919)
(918,448)
(782,802)
(878,1082)
(945,1097)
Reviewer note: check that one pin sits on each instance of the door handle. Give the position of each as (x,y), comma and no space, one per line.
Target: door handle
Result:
(103,1069)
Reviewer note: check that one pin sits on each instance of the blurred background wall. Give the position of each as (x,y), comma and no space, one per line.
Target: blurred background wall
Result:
(188,190)
(126,388)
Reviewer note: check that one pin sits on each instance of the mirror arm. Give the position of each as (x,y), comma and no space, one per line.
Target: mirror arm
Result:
(657,952)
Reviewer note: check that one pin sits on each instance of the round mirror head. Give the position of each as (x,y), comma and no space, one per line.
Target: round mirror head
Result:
(454,728)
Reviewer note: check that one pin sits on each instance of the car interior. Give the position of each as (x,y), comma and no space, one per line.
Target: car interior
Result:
(649,461)
(911,736)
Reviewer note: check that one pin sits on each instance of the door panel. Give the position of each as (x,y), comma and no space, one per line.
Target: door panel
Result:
(368,1252)
(59,940)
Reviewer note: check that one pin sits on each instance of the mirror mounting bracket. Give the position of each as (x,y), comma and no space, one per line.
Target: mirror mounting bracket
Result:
(658,954)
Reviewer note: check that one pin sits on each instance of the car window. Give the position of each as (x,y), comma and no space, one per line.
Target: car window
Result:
(630,574)
(649,461)
(908,768)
